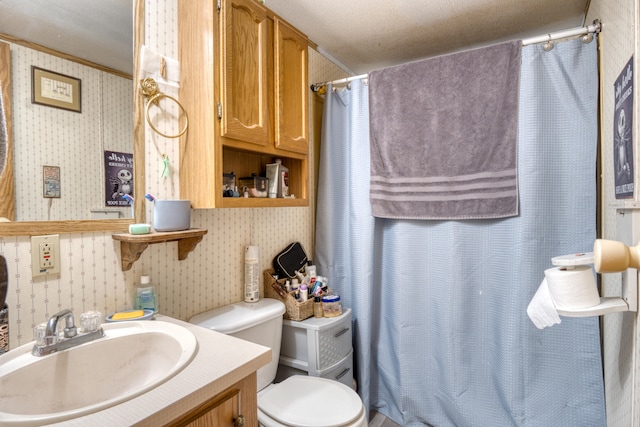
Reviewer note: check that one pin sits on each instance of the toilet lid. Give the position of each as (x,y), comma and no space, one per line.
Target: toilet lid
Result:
(311,402)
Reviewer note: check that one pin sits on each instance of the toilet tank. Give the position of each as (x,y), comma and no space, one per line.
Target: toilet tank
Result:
(259,322)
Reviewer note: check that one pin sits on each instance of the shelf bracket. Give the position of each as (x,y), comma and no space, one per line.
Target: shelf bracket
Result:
(185,246)
(130,252)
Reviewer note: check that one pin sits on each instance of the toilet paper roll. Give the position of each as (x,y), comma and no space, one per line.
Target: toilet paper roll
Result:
(572,288)
(541,309)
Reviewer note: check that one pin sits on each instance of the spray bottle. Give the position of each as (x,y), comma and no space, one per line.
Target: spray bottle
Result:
(251,274)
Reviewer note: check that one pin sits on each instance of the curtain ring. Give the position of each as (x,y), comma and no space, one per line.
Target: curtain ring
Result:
(150,89)
(548,45)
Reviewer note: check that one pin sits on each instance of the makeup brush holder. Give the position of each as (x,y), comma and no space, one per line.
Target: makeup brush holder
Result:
(171,215)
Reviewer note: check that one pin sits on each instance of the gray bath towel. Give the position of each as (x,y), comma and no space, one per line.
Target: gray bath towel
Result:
(444,136)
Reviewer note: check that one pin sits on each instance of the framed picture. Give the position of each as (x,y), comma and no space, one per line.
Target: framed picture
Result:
(55,90)
(51,181)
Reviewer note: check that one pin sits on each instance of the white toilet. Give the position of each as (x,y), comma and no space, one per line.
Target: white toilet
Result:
(298,400)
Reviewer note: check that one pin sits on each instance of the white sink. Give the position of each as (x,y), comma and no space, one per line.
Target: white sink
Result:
(131,359)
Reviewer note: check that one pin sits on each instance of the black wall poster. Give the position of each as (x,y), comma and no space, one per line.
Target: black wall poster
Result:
(118,170)
(622,133)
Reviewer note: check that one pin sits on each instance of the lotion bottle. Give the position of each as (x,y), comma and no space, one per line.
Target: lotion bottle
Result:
(283,179)
(310,269)
(273,174)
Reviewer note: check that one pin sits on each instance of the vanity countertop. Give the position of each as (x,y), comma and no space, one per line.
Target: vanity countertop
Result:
(220,362)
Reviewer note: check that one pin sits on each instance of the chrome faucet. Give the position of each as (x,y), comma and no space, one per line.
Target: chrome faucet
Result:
(71,338)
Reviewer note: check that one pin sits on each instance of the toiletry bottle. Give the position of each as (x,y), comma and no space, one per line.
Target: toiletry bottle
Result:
(310,269)
(304,292)
(146,298)
(273,171)
(302,277)
(251,274)
(283,179)
(295,288)
(318,310)
(316,289)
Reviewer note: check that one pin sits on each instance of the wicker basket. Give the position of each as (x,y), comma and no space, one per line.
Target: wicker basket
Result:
(276,290)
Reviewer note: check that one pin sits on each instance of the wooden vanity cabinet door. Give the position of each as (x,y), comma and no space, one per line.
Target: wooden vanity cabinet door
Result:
(239,400)
(244,71)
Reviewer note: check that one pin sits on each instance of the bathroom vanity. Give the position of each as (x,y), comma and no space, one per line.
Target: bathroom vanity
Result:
(215,388)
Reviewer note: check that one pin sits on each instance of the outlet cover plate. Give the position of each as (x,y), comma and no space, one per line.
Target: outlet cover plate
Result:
(52,243)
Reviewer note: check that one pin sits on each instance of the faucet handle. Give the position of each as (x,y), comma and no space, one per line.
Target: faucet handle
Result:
(40,335)
(90,321)
(70,329)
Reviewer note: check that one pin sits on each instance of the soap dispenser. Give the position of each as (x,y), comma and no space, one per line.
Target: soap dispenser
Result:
(146,298)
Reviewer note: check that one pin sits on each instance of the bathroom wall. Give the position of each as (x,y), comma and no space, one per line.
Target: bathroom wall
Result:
(74,142)
(211,276)
(619,331)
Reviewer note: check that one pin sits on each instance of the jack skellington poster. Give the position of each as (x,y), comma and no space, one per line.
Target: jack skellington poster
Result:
(622,133)
(118,168)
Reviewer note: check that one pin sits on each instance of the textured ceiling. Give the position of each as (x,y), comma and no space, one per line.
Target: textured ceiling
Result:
(99,31)
(365,35)
(362,35)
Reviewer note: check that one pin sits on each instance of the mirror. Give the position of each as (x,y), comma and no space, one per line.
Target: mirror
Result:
(42,226)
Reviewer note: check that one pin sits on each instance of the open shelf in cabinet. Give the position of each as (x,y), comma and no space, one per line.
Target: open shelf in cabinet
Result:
(243,163)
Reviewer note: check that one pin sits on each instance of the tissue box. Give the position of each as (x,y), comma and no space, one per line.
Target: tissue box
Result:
(171,215)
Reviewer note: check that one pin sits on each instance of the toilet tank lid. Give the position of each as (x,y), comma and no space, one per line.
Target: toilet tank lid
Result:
(233,318)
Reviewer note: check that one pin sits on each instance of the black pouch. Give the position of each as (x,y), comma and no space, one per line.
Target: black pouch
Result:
(290,260)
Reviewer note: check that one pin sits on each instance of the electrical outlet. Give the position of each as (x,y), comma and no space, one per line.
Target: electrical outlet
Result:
(45,255)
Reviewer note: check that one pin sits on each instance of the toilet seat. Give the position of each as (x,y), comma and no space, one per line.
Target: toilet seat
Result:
(311,402)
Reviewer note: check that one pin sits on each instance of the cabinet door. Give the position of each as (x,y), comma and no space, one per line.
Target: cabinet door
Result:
(244,68)
(291,117)
(236,406)
(223,414)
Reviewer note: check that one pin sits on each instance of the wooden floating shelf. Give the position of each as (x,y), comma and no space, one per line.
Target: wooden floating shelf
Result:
(132,245)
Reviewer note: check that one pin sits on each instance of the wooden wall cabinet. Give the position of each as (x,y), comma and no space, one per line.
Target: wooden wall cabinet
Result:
(244,85)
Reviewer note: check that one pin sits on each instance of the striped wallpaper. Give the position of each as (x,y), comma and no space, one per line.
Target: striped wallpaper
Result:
(91,277)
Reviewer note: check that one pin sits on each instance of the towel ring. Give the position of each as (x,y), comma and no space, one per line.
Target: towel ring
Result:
(150,90)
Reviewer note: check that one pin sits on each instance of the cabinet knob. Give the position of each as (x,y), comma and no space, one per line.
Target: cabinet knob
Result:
(239,422)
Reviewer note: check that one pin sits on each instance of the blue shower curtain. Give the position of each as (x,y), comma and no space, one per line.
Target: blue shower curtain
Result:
(441,334)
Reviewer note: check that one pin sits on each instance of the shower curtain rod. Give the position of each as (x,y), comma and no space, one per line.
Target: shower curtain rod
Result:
(596,27)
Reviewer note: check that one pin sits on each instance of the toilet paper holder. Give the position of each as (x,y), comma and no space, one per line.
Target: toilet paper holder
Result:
(608,256)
